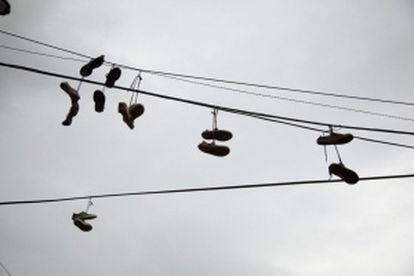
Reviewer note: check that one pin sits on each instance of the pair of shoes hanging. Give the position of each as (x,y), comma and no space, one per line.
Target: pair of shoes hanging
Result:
(74,98)
(99,96)
(215,134)
(4,7)
(130,113)
(79,219)
(338,169)
(134,109)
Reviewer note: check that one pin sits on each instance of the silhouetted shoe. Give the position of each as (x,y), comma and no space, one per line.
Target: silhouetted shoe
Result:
(344,173)
(85,216)
(126,117)
(87,69)
(73,111)
(213,149)
(4,7)
(335,139)
(135,111)
(73,94)
(82,225)
(99,99)
(217,134)
(112,77)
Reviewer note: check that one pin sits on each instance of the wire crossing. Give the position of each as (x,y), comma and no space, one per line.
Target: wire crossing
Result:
(208,105)
(217,80)
(201,189)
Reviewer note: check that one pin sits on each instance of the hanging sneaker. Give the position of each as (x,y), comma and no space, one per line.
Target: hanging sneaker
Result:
(85,216)
(99,99)
(335,139)
(4,7)
(82,225)
(347,175)
(217,134)
(73,94)
(135,111)
(213,149)
(87,69)
(112,77)
(73,111)
(126,117)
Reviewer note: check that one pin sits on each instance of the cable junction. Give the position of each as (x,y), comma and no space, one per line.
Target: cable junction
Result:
(208,105)
(217,80)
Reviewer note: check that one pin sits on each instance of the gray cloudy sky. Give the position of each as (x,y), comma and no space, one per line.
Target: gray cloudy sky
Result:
(356,47)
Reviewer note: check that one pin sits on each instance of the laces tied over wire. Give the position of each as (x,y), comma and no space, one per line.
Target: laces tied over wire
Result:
(89,204)
(135,85)
(215,114)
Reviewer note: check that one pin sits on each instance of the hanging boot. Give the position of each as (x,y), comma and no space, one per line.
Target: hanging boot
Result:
(335,139)
(112,77)
(213,149)
(99,99)
(126,117)
(347,175)
(73,93)
(135,111)
(73,111)
(217,134)
(87,69)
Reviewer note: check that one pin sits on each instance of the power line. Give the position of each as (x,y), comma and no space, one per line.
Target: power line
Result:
(211,79)
(292,100)
(40,53)
(321,130)
(232,89)
(201,189)
(207,105)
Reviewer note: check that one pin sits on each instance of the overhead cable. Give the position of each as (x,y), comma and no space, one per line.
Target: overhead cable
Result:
(200,189)
(211,79)
(241,91)
(208,105)
(252,93)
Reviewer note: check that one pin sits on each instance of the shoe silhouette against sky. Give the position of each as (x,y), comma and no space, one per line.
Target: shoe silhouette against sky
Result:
(4,7)
(99,99)
(88,68)
(73,111)
(79,220)
(72,93)
(213,149)
(335,139)
(112,77)
(347,175)
(217,134)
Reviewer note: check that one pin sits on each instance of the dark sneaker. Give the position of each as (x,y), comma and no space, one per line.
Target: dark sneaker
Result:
(217,134)
(213,149)
(335,139)
(82,225)
(99,99)
(73,111)
(135,111)
(4,7)
(87,69)
(344,173)
(126,117)
(112,77)
(84,216)
(73,94)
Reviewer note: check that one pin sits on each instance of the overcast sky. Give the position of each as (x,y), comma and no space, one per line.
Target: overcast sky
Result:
(362,48)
